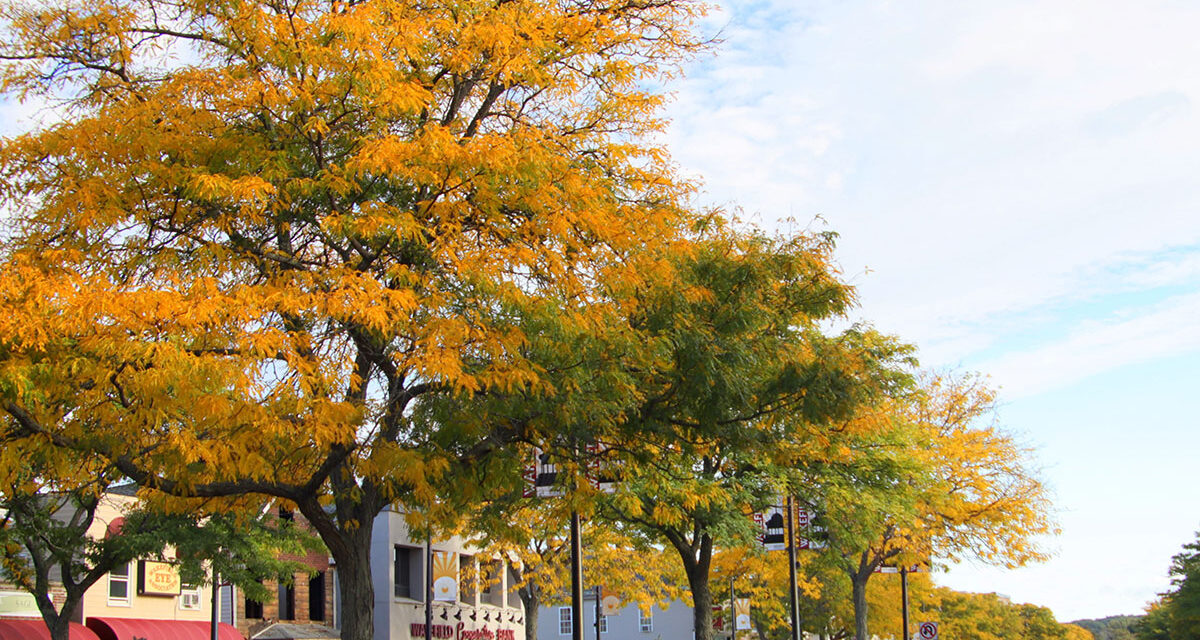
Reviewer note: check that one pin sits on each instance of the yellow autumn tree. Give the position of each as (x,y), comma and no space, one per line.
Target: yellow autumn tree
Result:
(535,535)
(263,232)
(761,576)
(935,479)
(990,616)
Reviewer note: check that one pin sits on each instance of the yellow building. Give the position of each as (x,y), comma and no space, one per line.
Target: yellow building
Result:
(145,598)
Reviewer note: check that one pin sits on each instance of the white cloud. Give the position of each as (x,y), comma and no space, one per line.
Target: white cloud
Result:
(1162,331)
(988,157)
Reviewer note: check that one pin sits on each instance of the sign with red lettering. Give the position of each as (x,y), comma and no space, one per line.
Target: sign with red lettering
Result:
(460,632)
(158,579)
(417,630)
(807,533)
(601,472)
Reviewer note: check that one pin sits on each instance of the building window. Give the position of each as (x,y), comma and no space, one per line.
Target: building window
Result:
(118,586)
(490,573)
(316,597)
(603,624)
(407,578)
(564,621)
(645,621)
(189,597)
(287,601)
(468,578)
(254,609)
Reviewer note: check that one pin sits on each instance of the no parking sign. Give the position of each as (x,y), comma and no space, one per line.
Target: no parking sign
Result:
(928,631)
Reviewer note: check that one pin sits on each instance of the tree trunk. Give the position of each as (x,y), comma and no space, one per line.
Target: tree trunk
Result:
(697,561)
(858,584)
(58,621)
(350,545)
(357,591)
(702,618)
(61,629)
(531,599)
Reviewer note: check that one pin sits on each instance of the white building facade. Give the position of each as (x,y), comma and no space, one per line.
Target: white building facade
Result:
(474,597)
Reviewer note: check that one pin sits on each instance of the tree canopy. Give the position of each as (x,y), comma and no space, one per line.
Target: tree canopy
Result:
(924,475)
(263,232)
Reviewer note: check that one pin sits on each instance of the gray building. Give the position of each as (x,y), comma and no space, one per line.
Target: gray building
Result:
(672,623)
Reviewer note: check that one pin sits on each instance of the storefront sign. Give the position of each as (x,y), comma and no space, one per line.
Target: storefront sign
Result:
(19,603)
(417,630)
(460,632)
(158,579)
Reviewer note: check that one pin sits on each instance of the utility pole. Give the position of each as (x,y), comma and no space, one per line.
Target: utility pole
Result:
(732,610)
(791,547)
(904,600)
(216,604)
(576,580)
(598,611)
(429,585)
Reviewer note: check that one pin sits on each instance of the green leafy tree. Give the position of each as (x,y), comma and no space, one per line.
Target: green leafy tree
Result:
(1155,625)
(1111,627)
(1177,613)
(745,376)
(1184,600)
(48,539)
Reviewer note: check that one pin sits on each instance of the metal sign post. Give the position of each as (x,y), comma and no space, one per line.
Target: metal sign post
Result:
(791,547)
(576,580)
(429,585)
(599,593)
(542,481)
(732,610)
(216,604)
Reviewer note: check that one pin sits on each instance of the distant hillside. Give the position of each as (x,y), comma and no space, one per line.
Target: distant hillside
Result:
(1110,628)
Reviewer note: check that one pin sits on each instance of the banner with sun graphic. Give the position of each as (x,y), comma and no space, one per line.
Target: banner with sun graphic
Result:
(610,603)
(741,609)
(445,576)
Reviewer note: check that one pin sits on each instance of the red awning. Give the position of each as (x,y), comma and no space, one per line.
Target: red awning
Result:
(114,528)
(129,628)
(27,629)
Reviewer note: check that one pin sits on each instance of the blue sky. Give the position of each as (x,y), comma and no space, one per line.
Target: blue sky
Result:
(1015,185)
